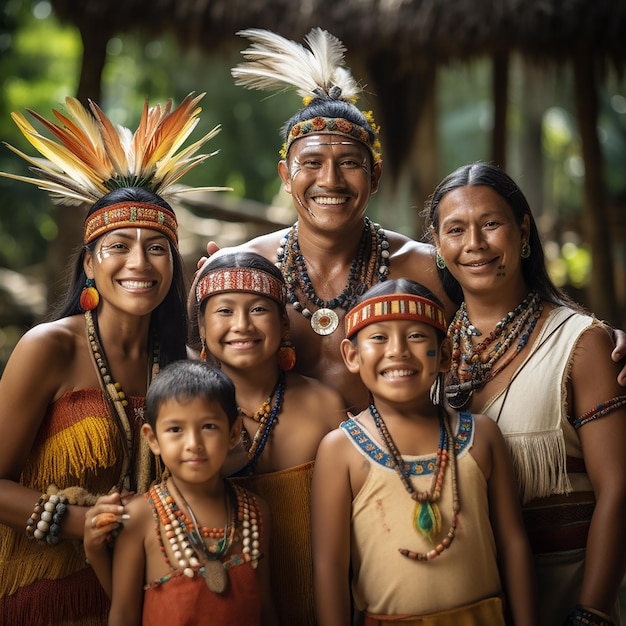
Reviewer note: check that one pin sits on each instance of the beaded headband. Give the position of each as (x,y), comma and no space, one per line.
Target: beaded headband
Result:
(334,126)
(397,306)
(133,215)
(241,279)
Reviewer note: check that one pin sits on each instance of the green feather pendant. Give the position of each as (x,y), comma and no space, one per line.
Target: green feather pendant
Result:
(427,519)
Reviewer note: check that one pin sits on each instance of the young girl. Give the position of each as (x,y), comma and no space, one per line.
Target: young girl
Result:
(193,544)
(243,326)
(420,502)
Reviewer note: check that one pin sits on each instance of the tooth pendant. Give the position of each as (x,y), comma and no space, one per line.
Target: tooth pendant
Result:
(215,576)
(324,321)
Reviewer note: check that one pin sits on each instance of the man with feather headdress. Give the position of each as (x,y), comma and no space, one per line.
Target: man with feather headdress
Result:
(331,166)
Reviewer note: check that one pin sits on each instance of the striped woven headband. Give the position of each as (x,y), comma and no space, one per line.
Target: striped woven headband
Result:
(130,215)
(396,306)
(241,279)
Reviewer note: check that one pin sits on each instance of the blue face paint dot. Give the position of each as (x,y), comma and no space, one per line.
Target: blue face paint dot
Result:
(431,353)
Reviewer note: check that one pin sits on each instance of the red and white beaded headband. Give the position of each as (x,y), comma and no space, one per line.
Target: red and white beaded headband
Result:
(131,215)
(244,279)
(395,306)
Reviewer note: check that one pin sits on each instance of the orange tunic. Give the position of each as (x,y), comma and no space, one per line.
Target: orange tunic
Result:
(183,601)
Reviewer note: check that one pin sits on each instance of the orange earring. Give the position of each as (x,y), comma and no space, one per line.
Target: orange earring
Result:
(89,296)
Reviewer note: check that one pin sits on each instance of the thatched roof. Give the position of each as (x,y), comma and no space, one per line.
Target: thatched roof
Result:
(397,44)
(438,30)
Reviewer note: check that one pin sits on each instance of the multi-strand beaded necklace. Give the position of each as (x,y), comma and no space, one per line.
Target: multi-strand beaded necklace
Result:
(187,539)
(370,264)
(266,416)
(115,394)
(426,514)
(474,365)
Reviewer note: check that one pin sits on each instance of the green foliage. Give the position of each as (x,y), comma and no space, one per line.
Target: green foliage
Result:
(39,64)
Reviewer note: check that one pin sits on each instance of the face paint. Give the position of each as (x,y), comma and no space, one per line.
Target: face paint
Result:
(431,353)
(306,208)
(501,270)
(295,167)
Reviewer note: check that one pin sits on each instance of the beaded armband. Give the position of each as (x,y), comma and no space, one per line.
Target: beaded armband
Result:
(585,616)
(44,524)
(598,411)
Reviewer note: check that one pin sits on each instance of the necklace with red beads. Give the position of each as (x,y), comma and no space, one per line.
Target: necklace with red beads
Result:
(426,514)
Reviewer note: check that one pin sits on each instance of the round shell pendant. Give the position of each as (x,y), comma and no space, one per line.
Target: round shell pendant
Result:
(324,321)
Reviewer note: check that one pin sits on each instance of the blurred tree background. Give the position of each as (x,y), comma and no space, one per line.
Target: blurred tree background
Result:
(40,61)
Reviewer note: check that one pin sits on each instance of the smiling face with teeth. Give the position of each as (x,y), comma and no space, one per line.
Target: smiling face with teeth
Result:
(133,269)
(398,360)
(480,241)
(331,179)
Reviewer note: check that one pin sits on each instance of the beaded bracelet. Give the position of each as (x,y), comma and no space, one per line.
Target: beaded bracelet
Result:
(44,524)
(598,411)
(586,616)
(33,520)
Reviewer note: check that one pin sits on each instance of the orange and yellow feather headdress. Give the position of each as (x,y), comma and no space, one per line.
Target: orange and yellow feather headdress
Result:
(88,155)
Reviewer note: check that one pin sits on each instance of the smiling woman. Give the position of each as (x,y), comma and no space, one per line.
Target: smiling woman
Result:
(528,357)
(73,392)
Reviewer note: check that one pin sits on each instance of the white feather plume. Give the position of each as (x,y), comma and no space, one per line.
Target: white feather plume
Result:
(273,62)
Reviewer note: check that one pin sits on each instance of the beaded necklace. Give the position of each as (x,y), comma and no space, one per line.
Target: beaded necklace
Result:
(426,515)
(474,365)
(190,550)
(372,259)
(115,394)
(266,423)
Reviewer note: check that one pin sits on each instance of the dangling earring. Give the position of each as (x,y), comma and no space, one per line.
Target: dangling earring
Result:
(203,351)
(286,354)
(89,296)
(441,264)
(525,252)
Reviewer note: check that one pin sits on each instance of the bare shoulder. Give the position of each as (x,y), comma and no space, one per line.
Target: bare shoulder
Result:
(140,513)
(486,428)
(265,245)
(316,399)
(414,260)
(48,348)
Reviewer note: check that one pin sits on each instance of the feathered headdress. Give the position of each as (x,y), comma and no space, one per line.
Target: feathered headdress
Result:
(319,75)
(89,156)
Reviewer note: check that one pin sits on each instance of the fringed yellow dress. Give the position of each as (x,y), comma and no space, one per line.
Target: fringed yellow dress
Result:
(78,445)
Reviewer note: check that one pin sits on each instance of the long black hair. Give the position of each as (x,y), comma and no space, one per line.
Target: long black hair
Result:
(168,322)
(534,268)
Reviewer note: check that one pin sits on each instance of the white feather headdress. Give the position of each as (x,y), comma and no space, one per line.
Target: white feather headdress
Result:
(89,156)
(317,72)
(273,62)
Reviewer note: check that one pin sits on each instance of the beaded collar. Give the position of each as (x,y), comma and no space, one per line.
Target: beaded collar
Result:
(369,266)
(115,394)
(474,365)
